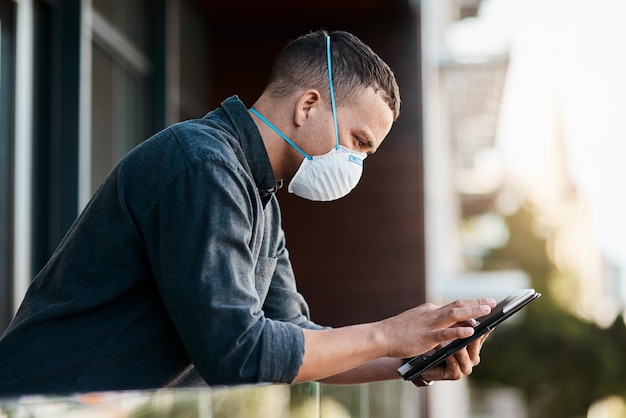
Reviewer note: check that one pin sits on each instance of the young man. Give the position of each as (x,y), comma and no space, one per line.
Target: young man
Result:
(176,272)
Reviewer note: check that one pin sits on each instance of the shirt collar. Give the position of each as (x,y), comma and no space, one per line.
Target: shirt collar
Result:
(253,148)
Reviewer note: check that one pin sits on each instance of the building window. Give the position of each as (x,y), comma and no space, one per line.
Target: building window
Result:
(7,82)
(120,84)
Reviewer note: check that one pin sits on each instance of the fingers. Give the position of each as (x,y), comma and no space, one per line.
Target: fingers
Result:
(460,364)
(454,321)
(465,361)
(459,303)
(453,333)
(469,323)
(463,311)
(474,348)
(469,357)
(454,368)
(425,327)
(449,370)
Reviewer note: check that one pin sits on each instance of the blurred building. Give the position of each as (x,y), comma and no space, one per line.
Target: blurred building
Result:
(473,69)
(464,176)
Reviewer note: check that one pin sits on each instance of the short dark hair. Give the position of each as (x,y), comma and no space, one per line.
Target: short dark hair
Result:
(303,64)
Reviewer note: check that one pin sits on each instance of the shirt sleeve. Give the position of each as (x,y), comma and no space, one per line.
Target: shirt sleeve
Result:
(200,241)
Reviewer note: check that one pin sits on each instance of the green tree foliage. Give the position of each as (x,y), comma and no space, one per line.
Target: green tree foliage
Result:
(561,363)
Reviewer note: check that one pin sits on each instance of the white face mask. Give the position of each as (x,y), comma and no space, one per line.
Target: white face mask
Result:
(329,176)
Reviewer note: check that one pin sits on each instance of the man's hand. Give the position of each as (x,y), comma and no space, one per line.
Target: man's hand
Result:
(373,351)
(459,365)
(421,329)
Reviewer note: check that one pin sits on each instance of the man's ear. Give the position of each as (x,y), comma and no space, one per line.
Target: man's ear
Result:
(306,103)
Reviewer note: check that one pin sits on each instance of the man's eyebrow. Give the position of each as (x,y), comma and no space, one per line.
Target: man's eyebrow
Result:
(363,135)
(366,137)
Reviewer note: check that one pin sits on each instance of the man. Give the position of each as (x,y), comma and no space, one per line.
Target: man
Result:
(176,272)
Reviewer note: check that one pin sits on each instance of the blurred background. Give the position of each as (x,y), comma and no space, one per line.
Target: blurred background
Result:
(503,170)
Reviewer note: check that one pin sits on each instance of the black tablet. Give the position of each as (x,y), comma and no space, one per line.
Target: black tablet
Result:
(503,310)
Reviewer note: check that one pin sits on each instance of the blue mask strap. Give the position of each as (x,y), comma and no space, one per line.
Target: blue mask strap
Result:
(275,129)
(332,90)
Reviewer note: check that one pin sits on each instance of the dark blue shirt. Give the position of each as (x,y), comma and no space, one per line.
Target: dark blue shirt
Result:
(179,259)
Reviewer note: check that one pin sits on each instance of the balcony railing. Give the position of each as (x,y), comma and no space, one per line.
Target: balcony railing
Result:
(395,399)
